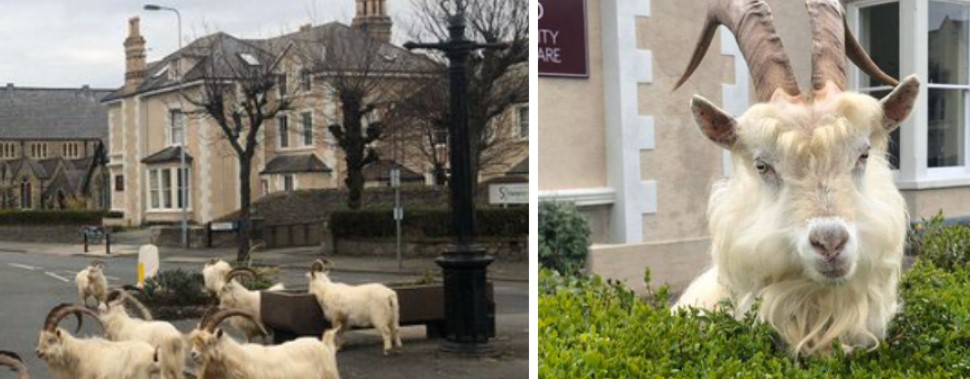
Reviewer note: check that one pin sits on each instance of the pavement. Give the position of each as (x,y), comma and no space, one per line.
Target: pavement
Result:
(36,276)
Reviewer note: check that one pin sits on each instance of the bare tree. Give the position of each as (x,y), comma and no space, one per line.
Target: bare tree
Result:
(365,76)
(497,78)
(239,91)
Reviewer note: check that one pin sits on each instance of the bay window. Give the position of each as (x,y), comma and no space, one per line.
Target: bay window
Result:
(166,186)
(932,40)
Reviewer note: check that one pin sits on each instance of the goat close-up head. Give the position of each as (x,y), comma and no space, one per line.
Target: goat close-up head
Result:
(320,268)
(812,187)
(50,345)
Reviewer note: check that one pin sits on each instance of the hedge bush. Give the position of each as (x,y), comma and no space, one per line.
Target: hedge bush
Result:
(59,217)
(592,328)
(177,294)
(427,222)
(564,237)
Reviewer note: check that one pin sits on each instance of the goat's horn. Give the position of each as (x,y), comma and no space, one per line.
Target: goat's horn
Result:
(61,311)
(257,247)
(213,261)
(317,266)
(215,319)
(12,360)
(208,314)
(241,271)
(114,294)
(861,59)
(751,23)
(145,313)
(97,263)
(828,43)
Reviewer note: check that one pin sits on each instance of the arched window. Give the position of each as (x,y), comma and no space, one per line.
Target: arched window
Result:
(25,198)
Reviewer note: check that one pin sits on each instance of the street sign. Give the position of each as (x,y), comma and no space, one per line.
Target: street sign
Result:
(508,193)
(395,177)
(398,213)
(562,38)
(223,226)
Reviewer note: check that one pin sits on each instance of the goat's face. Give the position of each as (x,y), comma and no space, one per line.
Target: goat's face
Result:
(50,346)
(806,175)
(204,344)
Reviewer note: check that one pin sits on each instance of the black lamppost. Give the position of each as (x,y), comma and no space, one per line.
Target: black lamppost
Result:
(467,321)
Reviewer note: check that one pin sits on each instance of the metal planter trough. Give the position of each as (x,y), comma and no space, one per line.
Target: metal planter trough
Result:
(291,314)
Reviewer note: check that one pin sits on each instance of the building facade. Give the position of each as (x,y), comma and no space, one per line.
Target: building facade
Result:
(641,172)
(149,118)
(52,148)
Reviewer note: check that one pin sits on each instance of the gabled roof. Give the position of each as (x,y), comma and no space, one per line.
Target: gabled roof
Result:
(53,113)
(381,171)
(23,164)
(341,41)
(167,155)
(295,164)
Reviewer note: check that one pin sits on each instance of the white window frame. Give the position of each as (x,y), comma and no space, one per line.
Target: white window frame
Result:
(306,127)
(176,115)
(283,134)
(156,192)
(914,172)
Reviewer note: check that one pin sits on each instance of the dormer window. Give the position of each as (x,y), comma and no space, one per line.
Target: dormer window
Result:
(249,59)
(161,72)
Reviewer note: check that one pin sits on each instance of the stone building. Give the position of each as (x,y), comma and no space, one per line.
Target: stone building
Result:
(149,120)
(52,153)
(641,173)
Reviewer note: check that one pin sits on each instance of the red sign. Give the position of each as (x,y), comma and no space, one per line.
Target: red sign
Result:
(562,38)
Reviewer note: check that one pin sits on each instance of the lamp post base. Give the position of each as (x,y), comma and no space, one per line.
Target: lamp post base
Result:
(469,319)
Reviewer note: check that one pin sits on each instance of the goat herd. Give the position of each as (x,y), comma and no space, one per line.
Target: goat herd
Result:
(135,348)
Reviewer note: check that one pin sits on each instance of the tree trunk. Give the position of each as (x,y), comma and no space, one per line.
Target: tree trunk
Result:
(355,187)
(245,218)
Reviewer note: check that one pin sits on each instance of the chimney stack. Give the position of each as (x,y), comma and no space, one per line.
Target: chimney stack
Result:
(134,56)
(372,18)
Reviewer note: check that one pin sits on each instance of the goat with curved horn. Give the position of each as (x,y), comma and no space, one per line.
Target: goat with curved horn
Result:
(214,319)
(12,360)
(241,271)
(823,250)
(62,310)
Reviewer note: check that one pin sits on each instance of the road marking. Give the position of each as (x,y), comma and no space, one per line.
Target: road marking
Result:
(26,267)
(111,277)
(55,276)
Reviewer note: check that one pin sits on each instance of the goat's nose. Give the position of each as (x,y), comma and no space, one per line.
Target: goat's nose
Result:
(828,240)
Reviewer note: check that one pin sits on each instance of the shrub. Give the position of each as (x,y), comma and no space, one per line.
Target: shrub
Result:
(947,246)
(592,328)
(175,288)
(427,222)
(59,217)
(564,237)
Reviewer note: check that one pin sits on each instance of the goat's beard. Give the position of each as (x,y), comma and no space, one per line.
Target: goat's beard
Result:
(756,258)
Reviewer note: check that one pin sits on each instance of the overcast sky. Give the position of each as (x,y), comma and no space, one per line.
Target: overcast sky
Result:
(69,43)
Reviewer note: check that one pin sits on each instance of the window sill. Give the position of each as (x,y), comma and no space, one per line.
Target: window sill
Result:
(296,149)
(167,211)
(933,183)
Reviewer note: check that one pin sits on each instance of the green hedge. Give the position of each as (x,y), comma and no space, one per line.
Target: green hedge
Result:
(61,217)
(423,222)
(589,328)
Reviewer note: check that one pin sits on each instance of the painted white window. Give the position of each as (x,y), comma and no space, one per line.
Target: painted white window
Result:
(288,183)
(307,118)
(930,39)
(177,127)
(523,125)
(165,186)
(284,130)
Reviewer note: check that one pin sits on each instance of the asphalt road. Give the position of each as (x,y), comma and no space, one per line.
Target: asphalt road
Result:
(31,284)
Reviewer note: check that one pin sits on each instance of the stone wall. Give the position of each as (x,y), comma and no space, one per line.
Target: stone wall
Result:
(506,249)
(171,236)
(42,233)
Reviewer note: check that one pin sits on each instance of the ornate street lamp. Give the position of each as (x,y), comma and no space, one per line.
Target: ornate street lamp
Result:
(467,321)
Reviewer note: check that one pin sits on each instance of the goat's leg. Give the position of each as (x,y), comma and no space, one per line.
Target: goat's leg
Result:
(385,332)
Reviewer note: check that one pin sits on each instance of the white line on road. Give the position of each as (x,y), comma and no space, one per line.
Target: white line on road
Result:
(55,276)
(26,267)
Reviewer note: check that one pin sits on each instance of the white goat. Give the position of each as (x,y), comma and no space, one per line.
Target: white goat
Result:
(810,220)
(219,356)
(214,273)
(12,360)
(119,326)
(233,295)
(69,357)
(347,306)
(91,282)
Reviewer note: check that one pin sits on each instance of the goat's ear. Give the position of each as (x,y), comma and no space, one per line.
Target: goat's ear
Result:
(898,104)
(219,333)
(714,122)
(57,333)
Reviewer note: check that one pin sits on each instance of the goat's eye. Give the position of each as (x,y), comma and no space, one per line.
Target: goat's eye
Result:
(762,167)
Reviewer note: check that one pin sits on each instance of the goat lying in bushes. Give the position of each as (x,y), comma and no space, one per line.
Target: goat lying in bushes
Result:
(810,220)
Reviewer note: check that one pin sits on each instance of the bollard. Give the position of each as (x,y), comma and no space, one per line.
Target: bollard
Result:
(107,244)
(85,234)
